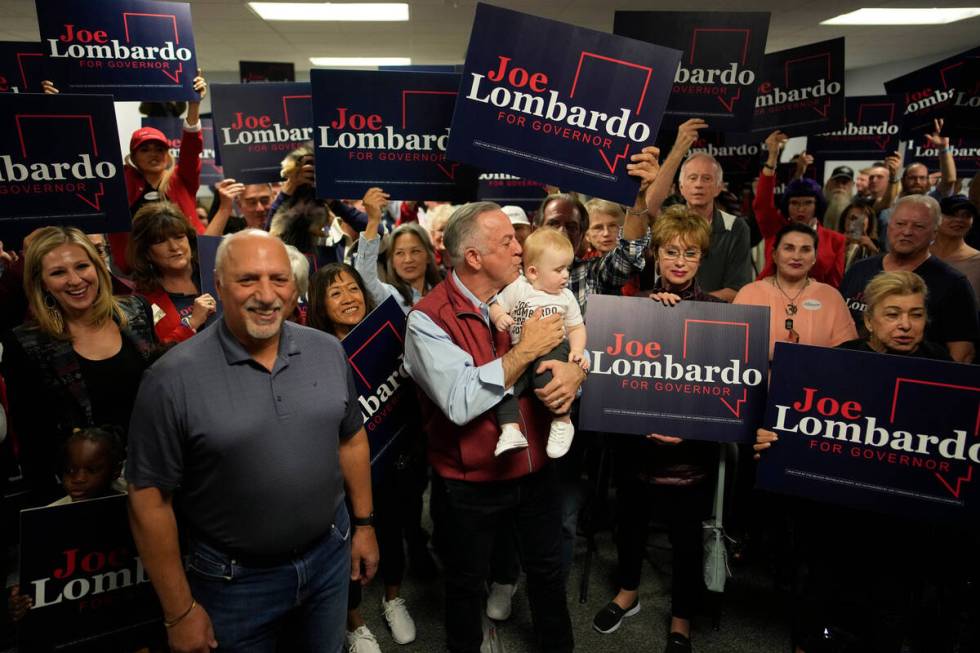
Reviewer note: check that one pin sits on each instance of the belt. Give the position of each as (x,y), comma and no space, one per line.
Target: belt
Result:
(264,560)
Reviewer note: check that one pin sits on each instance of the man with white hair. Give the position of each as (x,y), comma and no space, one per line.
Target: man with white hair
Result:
(728,265)
(253,426)
(950,302)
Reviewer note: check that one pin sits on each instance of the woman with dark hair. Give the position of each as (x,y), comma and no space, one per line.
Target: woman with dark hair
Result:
(802,202)
(339,300)
(163,258)
(411,262)
(859,224)
(801,309)
(79,360)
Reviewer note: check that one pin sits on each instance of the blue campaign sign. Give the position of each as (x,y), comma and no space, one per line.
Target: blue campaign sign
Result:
(387,129)
(871,132)
(20,67)
(893,434)
(207,251)
(173,129)
(375,350)
(89,588)
(256,125)
(60,164)
(696,370)
(560,104)
(720,70)
(965,151)
(948,89)
(507,189)
(801,90)
(132,49)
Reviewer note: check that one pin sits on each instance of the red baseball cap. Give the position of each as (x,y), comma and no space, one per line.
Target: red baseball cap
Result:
(145,135)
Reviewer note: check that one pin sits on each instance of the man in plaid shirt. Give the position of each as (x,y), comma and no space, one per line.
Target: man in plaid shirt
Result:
(604,275)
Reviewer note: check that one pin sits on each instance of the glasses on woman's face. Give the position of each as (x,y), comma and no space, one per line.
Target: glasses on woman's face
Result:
(672,254)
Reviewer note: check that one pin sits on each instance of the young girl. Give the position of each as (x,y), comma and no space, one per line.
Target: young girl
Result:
(547,257)
(92,461)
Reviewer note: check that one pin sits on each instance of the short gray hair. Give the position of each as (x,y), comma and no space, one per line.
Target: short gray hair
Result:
(301,270)
(461,230)
(222,253)
(710,158)
(930,204)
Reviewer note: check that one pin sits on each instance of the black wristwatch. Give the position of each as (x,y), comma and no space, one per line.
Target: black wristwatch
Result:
(364,521)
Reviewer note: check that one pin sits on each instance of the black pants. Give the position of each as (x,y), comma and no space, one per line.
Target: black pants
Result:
(875,581)
(475,513)
(682,508)
(507,410)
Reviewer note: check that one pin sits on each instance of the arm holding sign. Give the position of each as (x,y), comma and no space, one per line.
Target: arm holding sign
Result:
(763,440)
(947,166)
(658,191)
(768,217)
(226,190)
(369,242)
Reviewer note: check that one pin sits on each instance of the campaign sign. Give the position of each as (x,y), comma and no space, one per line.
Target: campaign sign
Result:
(20,67)
(256,125)
(695,370)
(965,151)
(560,104)
(740,161)
(79,565)
(207,252)
(173,129)
(720,70)
(948,89)
(133,49)
(894,434)
(507,189)
(871,131)
(60,164)
(801,90)
(387,129)
(266,71)
(376,352)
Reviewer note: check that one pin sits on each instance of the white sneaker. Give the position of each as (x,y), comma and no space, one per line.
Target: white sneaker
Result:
(510,438)
(499,601)
(559,438)
(399,621)
(362,641)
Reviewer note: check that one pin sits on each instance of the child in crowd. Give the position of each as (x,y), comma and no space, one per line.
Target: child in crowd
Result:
(547,257)
(93,459)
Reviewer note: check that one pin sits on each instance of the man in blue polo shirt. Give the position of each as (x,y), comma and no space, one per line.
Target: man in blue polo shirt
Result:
(253,426)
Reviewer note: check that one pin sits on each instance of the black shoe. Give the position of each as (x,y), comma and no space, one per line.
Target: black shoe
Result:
(677,643)
(610,617)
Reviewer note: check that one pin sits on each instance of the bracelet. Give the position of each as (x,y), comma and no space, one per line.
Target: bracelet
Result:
(944,150)
(177,620)
(769,167)
(186,321)
(631,211)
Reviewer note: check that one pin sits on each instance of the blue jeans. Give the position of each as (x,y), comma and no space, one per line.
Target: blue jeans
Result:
(249,605)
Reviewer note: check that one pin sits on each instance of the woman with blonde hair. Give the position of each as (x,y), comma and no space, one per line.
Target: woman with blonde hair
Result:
(78,361)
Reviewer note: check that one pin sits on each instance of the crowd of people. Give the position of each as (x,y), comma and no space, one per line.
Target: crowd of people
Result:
(237,432)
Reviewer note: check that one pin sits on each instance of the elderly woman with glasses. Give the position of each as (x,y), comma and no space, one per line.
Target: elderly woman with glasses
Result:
(801,309)
(662,475)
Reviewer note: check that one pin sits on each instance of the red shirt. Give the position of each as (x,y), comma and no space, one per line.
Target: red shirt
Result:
(831,247)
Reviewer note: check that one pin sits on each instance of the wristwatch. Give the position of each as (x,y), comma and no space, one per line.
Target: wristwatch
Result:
(364,521)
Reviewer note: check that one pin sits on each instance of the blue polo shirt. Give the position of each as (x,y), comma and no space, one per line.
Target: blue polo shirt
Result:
(250,455)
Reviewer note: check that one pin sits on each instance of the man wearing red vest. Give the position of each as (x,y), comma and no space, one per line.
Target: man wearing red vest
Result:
(465,367)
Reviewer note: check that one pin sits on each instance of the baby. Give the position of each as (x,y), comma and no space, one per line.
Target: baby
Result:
(547,257)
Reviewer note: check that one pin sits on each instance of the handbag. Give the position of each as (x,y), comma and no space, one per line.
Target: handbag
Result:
(716,569)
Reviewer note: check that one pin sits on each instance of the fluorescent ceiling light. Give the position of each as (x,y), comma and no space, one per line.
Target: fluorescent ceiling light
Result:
(360,62)
(303,11)
(893,16)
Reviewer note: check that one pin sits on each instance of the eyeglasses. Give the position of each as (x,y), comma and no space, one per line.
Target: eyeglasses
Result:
(672,254)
